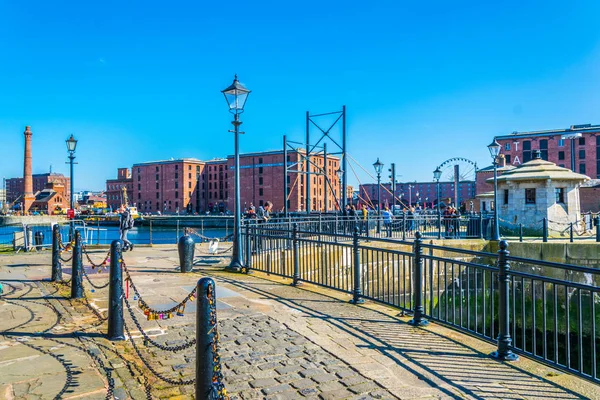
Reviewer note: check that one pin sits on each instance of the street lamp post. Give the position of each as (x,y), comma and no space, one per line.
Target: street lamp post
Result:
(437,174)
(494,149)
(340,174)
(236,95)
(71,146)
(378,165)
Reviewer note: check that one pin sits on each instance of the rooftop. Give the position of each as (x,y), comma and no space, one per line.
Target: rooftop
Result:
(582,128)
(538,169)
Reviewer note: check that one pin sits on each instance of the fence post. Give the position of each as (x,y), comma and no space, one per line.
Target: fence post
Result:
(56,267)
(480,225)
(504,338)
(520,232)
(76,266)
(597,223)
(98,232)
(404,226)
(419,311)
(439,225)
(545,230)
(209,378)
(295,246)
(248,249)
(571,232)
(367,223)
(357,290)
(115,293)
(185,248)
(150,232)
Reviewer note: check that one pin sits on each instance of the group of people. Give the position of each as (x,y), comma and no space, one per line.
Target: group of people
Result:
(262,214)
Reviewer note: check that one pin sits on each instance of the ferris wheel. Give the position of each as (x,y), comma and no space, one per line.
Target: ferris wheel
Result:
(462,168)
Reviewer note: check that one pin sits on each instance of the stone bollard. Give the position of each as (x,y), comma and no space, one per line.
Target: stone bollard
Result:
(115,293)
(56,266)
(419,311)
(186,253)
(76,269)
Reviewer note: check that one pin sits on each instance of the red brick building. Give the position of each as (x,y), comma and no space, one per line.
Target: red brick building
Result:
(589,196)
(423,193)
(15,186)
(114,189)
(519,147)
(51,200)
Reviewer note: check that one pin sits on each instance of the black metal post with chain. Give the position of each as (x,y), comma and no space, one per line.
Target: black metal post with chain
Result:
(296,253)
(185,247)
(76,267)
(115,293)
(419,311)
(504,338)
(56,267)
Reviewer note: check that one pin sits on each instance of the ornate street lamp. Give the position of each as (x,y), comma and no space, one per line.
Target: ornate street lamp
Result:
(340,174)
(437,174)
(236,95)
(378,165)
(71,146)
(494,149)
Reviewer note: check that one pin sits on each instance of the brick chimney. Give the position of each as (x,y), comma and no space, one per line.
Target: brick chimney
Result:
(28,197)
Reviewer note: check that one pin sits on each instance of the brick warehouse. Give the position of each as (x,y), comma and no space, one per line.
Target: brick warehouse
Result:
(191,185)
(518,147)
(15,186)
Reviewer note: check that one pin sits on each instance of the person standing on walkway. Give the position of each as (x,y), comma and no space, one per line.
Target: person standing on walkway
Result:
(262,217)
(125,224)
(387,221)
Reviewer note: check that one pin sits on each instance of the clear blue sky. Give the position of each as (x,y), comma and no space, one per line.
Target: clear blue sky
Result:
(141,81)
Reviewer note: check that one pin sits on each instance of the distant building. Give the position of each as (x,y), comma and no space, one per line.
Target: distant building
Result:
(114,189)
(51,200)
(589,194)
(15,186)
(519,147)
(422,193)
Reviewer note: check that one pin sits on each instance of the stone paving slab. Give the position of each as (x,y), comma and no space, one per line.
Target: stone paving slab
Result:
(277,342)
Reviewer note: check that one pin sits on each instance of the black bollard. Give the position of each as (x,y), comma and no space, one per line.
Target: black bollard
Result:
(419,311)
(520,232)
(186,253)
(296,253)
(76,266)
(597,223)
(357,290)
(56,267)
(208,366)
(115,293)
(248,249)
(504,338)
(571,232)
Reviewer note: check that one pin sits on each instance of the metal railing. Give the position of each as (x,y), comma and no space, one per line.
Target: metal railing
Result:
(545,310)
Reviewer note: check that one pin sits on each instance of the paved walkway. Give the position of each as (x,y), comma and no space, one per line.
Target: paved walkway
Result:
(277,342)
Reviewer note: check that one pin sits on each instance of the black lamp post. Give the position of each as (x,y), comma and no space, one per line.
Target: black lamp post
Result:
(340,174)
(378,165)
(437,174)
(71,146)
(236,95)
(494,149)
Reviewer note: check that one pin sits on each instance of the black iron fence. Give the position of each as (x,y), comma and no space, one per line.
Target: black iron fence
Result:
(545,310)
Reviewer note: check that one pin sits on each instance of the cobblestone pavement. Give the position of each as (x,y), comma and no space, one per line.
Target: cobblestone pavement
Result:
(277,342)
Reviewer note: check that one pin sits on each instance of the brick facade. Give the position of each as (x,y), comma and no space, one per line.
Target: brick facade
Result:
(114,189)
(518,148)
(15,186)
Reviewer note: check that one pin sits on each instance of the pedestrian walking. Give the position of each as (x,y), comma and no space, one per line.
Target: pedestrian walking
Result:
(387,221)
(125,224)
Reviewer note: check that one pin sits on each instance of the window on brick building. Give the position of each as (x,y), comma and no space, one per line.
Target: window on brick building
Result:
(289,158)
(530,196)
(176,194)
(582,168)
(526,150)
(156,176)
(189,167)
(156,168)
(209,185)
(582,154)
(210,195)
(176,185)
(157,195)
(197,168)
(260,192)
(190,175)
(261,203)
(139,196)
(260,170)
(139,186)
(561,155)
(582,141)
(157,185)
(220,168)
(260,180)
(139,178)
(507,158)
(176,204)
(507,146)
(288,179)
(598,169)
(544,149)
(561,142)
(260,160)
(189,185)
(176,175)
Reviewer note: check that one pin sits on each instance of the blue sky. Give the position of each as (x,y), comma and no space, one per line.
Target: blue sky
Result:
(422,83)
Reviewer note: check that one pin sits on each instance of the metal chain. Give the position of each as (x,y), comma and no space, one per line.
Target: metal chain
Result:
(215,253)
(147,339)
(217,379)
(66,260)
(94,265)
(92,283)
(150,368)
(208,239)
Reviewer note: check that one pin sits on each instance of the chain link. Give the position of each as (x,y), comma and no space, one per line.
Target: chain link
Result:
(208,239)
(199,249)
(92,283)
(217,379)
(147,339)
(102,264)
